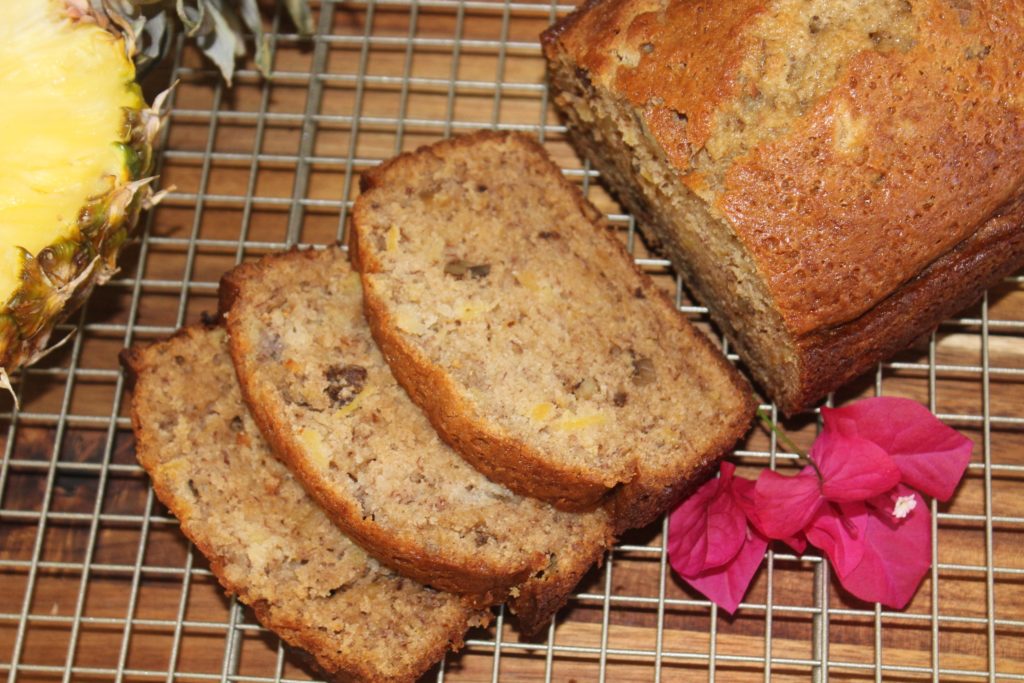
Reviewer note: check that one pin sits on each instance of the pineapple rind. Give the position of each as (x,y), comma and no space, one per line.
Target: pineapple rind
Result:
(54,281)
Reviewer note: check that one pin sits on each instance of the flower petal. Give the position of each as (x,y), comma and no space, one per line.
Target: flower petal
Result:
(687,529)
(784,505)
(707,529)
(931,456)
(853,468)
(726,585)
(838,529)
(743,493)
(727,524)
(798,542)
(896,553)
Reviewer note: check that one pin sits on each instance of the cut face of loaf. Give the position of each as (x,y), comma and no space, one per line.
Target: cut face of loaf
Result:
(520,325)
(267,541)
(329,405)
(831,179)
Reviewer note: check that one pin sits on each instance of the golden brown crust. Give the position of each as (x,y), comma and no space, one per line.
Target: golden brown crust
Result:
(539,599)
(340,666)
(855,198)
(634,502)
(691,71)
(832,357)
(817,210)
(337,668)
(866,170)
(484,582)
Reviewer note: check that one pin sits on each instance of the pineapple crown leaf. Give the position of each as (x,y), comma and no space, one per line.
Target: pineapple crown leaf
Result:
(191,17)
(299,11)
(219,27)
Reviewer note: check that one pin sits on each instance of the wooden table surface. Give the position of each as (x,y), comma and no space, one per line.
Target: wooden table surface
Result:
(96,582)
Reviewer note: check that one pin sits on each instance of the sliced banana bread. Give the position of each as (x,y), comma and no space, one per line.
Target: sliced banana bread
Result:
(516,320)
(326,400)
(267,541)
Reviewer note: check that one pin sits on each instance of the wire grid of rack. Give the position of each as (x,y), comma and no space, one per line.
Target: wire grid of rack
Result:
(97,583)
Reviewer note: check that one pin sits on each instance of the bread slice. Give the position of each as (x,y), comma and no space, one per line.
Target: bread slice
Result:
(267,541)
(831,179)
(327,402)
(516,320)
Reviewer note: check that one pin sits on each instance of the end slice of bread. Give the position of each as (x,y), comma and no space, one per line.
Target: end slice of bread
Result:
(766,147)
(516,320)
(267,541)
(326,400)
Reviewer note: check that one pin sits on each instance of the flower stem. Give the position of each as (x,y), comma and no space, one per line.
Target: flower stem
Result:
(787,442)
(781,435)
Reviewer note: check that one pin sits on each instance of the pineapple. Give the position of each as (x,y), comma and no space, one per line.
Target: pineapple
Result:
(76,142)
(75,150)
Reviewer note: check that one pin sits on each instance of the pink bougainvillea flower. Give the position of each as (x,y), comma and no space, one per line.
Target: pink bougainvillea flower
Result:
(931,456)
(710,542)
(880,549)
(846,468)
(859,501)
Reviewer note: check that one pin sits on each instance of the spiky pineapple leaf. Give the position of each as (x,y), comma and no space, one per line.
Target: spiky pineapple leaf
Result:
(154,32)
(299,11)
(218,39)
(250,15)
(219,27)
(191,17)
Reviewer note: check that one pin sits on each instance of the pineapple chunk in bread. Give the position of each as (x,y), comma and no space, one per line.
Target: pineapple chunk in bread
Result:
(516,320)
(330,407)
(267,541)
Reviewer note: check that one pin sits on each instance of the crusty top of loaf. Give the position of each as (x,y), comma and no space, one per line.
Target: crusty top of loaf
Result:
(849,145)
(267,540)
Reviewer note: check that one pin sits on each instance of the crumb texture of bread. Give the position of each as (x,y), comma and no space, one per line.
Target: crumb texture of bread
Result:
(515,318)
(266,539)
(327,401)
(806,163)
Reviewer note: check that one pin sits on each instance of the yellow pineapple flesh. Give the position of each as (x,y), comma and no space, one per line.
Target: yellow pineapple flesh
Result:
(75,146)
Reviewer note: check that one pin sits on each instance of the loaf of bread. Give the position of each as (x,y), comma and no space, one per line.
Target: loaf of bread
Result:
(327,402)
(830,178)
(516,320)
(266,540)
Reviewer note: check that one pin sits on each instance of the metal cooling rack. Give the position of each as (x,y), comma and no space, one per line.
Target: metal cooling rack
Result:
(97,583)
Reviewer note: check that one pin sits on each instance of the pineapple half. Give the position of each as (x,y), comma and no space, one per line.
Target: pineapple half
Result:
(76,140)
